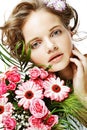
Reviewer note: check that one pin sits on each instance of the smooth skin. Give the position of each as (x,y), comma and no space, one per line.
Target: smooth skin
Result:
(51,44)
(48,39)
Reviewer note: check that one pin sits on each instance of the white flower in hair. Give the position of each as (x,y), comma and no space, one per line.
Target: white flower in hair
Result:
(56,4)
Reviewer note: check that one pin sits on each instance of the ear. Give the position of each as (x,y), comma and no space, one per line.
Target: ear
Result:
(71,32)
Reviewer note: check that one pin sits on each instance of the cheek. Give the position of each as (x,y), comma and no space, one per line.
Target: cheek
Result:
(69,45)
(37,57)
(34,57)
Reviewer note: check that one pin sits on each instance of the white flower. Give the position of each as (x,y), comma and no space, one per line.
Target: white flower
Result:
(56,4)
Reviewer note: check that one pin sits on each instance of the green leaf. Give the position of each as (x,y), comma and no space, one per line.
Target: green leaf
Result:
(7,58)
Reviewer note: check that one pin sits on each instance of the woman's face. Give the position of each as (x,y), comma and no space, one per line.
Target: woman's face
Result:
(50,41)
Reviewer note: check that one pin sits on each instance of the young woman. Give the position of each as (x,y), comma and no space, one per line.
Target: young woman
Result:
(47,28)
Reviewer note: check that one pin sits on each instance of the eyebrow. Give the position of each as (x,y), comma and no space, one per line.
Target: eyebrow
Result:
(49,30)
(54,27)
(32,40)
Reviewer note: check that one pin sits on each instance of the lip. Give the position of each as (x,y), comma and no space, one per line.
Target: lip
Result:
(55,58)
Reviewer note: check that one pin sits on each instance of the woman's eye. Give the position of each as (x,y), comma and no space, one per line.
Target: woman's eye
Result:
(56,33)
(35,45)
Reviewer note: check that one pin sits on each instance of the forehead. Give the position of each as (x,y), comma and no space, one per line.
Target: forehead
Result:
(40,21)
(41,16)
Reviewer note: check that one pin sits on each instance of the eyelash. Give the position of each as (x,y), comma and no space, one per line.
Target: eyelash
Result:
(35,44)
(56,33)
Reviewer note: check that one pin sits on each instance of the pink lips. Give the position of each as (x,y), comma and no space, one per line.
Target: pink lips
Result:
(55,58)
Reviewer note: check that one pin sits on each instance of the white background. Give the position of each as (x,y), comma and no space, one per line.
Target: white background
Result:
(6,7)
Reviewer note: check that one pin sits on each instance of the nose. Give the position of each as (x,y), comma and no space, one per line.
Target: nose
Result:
(50,46)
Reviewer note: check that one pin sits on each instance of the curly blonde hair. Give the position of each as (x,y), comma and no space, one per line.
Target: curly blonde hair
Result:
(12,29)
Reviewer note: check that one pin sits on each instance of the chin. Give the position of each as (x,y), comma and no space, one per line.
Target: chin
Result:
(56,68)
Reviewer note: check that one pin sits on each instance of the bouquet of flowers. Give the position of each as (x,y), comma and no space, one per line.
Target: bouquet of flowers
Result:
(36,99)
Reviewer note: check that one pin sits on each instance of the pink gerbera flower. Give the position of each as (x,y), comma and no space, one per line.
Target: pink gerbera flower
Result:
(27,91)
(6,107)
(55,89)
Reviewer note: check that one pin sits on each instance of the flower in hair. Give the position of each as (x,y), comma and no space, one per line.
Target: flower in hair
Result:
(56,4)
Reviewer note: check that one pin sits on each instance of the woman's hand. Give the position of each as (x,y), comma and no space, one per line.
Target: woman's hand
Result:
(79,66)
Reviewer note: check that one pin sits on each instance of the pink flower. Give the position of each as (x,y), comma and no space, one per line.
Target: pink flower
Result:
(13,75)
(38,108)
(26,92)
(51,75)
(3,88)
(9,123)
(52,120)
(6,107)
(9,108)
(43,74)
(55,89)
(34,73)
(11,86)
(48,121)
(39,82)
(35,122)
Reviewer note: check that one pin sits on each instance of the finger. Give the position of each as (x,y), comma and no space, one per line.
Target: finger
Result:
(74,68)
(79,65)
(81,57)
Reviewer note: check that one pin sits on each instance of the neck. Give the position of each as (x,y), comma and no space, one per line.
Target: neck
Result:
(66,73)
